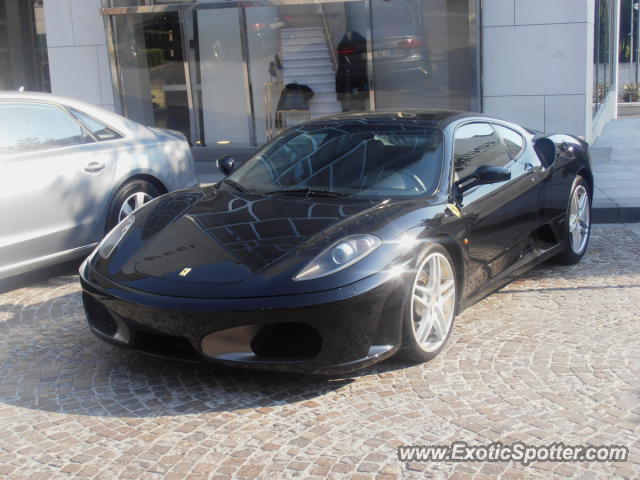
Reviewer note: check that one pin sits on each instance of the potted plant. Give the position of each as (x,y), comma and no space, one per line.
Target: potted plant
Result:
(631,92)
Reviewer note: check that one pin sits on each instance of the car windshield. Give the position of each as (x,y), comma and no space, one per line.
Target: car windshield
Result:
(394,159)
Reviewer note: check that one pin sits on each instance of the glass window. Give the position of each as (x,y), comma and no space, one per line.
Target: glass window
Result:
(28,127)
(152,70)
(512,140)
(602,52)
(477,144)
(241,63)
(220,73)
(99,130)
(349,159)
(423,54)
(23,46)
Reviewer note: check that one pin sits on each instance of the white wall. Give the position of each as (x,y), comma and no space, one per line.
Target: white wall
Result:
(538,63)
(78,58)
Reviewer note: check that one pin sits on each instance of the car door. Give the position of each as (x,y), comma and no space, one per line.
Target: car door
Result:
(54,182)
(527,168)
(499,216)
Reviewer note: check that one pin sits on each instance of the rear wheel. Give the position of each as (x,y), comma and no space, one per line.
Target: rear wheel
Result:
(430,306)
(131,196)
(578,224)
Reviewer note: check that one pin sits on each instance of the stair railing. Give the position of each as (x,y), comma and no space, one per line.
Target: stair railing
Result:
(327,38)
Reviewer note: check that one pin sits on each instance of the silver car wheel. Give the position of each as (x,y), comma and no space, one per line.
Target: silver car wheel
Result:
(433,302)
(579,219)
(132,203)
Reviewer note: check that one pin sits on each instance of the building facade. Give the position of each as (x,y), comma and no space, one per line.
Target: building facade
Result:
(230,75)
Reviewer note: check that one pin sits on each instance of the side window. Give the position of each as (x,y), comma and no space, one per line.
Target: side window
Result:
(513,141)
(99,130)
(26,127)
(477,144)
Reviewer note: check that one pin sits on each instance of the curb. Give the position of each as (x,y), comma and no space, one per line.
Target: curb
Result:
(615,215)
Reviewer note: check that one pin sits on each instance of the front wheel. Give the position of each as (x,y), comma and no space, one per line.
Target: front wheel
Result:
(130,197)
(430,306)
(578,224)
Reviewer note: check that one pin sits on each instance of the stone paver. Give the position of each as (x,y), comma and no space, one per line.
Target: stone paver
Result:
(553,357)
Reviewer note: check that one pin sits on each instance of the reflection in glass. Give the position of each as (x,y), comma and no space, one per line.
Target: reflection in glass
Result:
(421,54)
(30,127)
(220,72)
(476,145)
(352,83)
(23,46)
(151,67)
(368,159)
(602,53)
(243,61)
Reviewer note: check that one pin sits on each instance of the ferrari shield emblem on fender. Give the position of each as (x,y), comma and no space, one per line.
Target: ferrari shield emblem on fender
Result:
(185,272)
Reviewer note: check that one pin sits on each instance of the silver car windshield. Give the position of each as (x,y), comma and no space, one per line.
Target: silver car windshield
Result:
(358,159)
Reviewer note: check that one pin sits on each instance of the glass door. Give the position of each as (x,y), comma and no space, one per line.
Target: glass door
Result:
(218,66)
(151,69)
(234,74)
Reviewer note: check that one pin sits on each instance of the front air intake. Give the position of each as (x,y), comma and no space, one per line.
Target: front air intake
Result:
(98,316)
(286,341)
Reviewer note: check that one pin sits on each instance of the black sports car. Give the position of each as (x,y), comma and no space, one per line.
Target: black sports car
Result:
(343,241)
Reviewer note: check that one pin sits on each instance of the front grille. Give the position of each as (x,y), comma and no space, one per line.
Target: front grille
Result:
(98,316)
(287,341)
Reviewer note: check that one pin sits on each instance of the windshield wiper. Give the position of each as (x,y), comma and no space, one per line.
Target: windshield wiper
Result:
(309,192)
(235,185)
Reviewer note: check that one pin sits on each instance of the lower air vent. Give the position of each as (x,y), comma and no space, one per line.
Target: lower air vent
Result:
(287,341)
(98,316)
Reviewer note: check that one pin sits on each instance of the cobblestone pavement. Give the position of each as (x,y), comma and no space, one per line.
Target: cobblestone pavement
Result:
(555,356)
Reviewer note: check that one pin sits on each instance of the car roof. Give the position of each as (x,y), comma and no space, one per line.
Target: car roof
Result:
(117,122)
(438,118)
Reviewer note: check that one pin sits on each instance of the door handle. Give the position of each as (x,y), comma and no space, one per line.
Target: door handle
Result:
(530,170)
(94,167)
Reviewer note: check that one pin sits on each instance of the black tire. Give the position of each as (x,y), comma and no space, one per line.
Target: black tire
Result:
(123,193)
(410,349)
(569,256)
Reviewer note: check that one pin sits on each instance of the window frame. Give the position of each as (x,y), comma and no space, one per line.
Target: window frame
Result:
(452,169)
(524,140)
(465,124)
(69,109)
(439,185)
(34,102)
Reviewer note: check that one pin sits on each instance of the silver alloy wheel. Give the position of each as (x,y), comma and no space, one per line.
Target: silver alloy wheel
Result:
(433,301)
(132,203)
(579,219)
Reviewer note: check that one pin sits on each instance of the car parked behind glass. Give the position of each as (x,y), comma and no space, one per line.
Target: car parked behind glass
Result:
(70,171)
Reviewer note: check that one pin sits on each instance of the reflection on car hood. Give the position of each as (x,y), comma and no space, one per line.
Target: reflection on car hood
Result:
(227,237)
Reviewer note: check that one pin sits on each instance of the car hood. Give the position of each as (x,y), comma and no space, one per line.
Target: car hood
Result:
(220,244)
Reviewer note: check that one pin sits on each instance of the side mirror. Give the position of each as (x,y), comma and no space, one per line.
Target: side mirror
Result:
(226,164)
(484,175)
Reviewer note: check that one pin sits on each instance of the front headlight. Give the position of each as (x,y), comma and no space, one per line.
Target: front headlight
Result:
(339,256)
(109,243)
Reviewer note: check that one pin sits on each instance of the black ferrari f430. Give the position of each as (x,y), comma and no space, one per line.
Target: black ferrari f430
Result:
(343,241)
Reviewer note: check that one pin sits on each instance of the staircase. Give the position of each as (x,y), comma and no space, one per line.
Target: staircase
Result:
(306,59)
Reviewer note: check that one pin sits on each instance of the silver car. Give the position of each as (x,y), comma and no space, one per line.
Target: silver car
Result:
(69,171)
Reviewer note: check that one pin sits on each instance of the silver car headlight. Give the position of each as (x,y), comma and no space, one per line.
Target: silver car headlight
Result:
(339,256)
(113,238)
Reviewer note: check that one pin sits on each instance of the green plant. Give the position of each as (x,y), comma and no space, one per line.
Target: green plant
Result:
(631,92)
(155,57)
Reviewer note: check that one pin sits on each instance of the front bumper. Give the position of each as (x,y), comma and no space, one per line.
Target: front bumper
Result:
(328,332)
